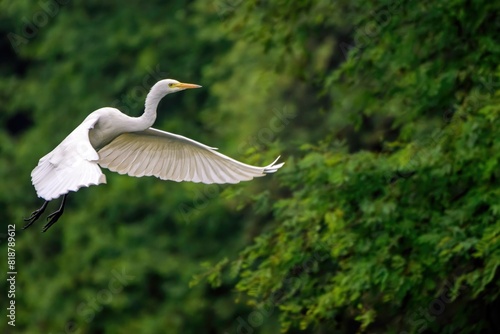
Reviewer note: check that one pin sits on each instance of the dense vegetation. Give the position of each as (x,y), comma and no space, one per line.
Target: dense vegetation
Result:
(385,218)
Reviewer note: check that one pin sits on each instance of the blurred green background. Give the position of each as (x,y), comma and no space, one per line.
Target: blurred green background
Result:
(384,219)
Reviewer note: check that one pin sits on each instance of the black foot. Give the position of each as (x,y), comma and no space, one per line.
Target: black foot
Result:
(54,216)
(35,215)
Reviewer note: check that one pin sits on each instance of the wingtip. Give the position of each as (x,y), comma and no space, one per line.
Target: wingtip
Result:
(273,168)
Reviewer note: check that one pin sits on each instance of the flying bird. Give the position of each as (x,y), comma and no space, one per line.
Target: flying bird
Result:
(129,145)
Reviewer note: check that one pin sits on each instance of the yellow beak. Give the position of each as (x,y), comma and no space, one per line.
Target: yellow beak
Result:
(187,85)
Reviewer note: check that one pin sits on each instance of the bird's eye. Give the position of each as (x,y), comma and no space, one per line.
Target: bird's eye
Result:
(170,85)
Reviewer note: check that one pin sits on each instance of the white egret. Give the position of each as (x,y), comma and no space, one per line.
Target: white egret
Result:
(128,145)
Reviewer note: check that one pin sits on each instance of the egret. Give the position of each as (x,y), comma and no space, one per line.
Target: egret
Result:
(129,145)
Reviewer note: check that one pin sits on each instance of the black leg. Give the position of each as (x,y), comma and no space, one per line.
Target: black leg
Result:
(54,216)
(35,215)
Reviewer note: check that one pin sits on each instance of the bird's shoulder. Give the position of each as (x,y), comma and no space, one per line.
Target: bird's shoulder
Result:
(105,112)
(106,119)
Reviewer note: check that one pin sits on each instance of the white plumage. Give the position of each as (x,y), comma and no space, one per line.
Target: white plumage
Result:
(128,145)
(70,166)
(172,157)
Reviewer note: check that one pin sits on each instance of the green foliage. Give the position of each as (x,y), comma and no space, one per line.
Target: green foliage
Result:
(385,218)
(404,209)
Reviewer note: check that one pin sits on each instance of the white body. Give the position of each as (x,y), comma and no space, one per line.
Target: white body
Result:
(128,145)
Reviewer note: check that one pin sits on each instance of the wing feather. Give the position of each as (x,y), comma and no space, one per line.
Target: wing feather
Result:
(70,166)
(168,163)
(199,173)
(158,163)
(140,161)
(183,166)
(150,162)
(212,173)
(127,160)
(173,157)
(177,164)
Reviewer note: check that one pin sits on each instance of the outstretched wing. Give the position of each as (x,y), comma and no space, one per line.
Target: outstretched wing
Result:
(172,157)
(70,166)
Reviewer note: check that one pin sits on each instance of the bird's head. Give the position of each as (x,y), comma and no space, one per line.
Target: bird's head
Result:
(168,86)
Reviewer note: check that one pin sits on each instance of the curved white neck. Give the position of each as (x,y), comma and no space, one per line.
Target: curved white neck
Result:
(152,100)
